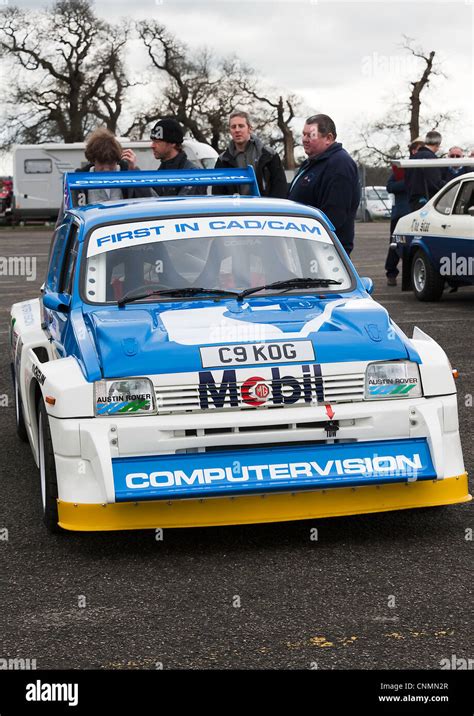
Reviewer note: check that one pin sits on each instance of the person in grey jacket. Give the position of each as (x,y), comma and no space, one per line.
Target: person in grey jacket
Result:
(244,150)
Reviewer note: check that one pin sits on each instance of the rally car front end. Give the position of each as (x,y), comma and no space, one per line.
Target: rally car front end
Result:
(207,453)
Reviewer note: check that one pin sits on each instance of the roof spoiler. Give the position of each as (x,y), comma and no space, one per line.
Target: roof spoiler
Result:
(431,163)
(76,181)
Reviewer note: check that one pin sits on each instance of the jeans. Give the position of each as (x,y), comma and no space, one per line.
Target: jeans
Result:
(391,262)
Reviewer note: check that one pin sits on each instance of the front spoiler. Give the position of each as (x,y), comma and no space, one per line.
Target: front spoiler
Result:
(278,507)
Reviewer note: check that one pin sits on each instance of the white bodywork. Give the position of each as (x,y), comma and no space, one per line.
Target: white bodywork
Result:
(437,217)
(84,445)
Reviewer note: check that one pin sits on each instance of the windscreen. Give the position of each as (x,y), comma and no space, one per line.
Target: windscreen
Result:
(377,194)
(232,253)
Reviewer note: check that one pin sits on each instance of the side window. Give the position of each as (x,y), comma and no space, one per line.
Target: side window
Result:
(38,166)
(445,203)
(61,257)
(69,262)
(465,198)
(55,256)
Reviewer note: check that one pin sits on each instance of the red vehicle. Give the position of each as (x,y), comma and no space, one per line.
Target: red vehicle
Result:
(6,197)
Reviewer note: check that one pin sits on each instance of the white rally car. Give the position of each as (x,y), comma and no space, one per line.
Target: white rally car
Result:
(436,243)
(217,360)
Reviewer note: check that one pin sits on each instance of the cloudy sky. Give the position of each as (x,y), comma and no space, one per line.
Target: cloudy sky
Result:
(344,58)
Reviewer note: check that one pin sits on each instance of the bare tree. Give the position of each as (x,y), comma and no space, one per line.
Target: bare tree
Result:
(429,70)
(68,72)
(224,97)
(386,139)
(186,79)
(282,113)
(201,92)
(197,90)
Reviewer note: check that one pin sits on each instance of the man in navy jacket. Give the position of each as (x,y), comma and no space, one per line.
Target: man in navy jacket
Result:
(401,207)
(328,179)
(423,183)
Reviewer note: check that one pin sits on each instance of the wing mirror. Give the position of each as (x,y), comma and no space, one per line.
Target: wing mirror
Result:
(60,302)
(367,284)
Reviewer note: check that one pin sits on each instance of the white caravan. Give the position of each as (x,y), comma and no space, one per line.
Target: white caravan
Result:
(38,172)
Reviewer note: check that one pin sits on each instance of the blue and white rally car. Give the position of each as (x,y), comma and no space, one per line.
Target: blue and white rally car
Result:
(436,243)
(217,361)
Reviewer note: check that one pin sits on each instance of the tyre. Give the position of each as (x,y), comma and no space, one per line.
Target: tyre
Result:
(367,216)
(47,471)
(19,419)
(427,284)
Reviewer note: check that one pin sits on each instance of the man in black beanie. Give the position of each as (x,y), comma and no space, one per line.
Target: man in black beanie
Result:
(167,146)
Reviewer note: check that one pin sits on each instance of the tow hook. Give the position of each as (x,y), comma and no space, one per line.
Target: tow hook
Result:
(331,427)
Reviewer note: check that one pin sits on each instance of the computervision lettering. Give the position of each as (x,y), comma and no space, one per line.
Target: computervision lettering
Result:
(383,464)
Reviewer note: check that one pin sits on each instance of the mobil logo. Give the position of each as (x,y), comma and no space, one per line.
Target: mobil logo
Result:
(255,391)
(302,383)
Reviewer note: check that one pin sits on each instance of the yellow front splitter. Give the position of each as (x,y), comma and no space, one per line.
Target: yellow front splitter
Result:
(278,507)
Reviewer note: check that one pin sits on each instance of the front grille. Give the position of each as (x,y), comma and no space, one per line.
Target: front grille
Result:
(343,389)
(313,390)
(258,436)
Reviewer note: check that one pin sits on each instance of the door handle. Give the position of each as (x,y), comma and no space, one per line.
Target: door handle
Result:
(445,226)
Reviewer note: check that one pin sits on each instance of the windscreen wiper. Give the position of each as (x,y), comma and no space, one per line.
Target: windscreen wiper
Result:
(184,291)
(291,283)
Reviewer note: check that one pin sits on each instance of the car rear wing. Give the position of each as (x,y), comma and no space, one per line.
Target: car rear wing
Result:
(77,181)
(430,163)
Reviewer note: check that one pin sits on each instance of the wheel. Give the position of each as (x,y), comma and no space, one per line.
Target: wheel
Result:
(47,471)
(427,284)
(367,216)
(20,421)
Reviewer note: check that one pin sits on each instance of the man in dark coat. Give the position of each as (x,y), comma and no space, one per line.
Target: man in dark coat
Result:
(167,145)
(422,183)
(245,149)
(401,207)
(328,179)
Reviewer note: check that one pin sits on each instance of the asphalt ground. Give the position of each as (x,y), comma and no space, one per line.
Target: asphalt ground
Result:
(387,591)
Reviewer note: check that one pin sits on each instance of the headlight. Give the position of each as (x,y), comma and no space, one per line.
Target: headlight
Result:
(126,396)
(398,379)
